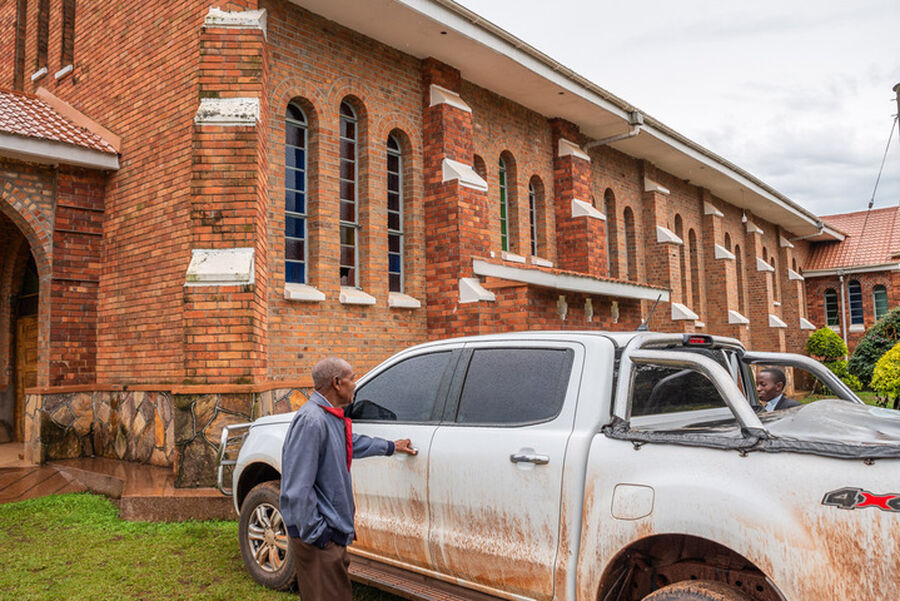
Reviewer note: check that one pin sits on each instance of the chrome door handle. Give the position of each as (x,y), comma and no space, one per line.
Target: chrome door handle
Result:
(529,458)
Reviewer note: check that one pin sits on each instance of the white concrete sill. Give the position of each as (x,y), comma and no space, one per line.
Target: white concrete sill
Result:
(398,300)
(303,293)
(355,296)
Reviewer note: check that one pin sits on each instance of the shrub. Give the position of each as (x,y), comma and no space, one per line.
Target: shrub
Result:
(825,345)
(886,375)
(829,348)
(839,368)
(875,342)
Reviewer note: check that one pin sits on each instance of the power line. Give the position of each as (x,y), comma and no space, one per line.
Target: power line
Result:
(886,148)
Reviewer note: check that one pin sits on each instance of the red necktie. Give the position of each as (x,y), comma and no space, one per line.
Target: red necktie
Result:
(348,430)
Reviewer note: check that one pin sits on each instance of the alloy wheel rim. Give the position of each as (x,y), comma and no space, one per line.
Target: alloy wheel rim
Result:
(267,536)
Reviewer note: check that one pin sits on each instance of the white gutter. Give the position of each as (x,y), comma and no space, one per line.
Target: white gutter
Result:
(637,120)
(568,282)
(48,151)
(820,273)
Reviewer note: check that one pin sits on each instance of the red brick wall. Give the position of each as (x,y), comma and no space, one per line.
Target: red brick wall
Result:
(77,238)
(386,88)
(815,291)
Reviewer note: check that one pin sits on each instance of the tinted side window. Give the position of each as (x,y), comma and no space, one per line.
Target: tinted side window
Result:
(669,389)
(404,392)
(514,385)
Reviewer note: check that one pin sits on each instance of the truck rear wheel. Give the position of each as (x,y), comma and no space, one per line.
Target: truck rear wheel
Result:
(263,536)
(697,590)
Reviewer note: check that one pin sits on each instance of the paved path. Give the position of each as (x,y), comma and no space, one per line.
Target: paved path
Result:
(142,492)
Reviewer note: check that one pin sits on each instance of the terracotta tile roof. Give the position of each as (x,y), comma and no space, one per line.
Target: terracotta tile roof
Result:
(873,238)
(29,116)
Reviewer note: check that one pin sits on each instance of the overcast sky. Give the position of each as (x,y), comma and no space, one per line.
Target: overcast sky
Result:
(797,93)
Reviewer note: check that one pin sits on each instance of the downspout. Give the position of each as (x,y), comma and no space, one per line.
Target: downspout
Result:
(819,225)
(843,308)
(636,120)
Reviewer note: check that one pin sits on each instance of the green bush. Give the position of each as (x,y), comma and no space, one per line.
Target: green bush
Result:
(839,368)
(825,345)
(875,342)
(829,348)
(886,375)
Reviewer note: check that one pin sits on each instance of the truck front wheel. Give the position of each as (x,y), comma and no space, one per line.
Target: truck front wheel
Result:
(697,590)
(264,539)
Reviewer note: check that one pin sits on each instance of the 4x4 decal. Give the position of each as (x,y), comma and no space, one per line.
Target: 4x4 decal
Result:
(855,498)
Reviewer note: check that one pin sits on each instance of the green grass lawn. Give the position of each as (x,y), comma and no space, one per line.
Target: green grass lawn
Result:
(866,396)
(75,547)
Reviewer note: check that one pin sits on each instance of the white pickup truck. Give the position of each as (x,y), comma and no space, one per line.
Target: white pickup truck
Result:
(596,466)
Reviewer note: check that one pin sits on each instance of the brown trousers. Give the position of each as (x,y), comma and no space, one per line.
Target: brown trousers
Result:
(321,573)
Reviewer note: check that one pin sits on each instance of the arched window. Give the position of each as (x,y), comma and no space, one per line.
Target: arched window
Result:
(630,245)
(682,264)
(739,271)
(349,218)
(854,291)
(832,317)
(395,214)
(295,206)
(504,207)
(880,301)
(695,270)
(612,244)
(727,242)
(535,212)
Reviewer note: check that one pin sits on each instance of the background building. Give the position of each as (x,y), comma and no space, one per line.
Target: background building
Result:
(271,182)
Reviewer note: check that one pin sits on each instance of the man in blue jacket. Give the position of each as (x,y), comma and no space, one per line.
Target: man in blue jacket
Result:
(316,491)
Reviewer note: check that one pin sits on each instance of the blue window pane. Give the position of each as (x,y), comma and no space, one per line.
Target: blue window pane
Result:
(294,135)
(394,263)
(295,201)
(293,249)
(295,227)
(294,157)
(294,272)
(293,179)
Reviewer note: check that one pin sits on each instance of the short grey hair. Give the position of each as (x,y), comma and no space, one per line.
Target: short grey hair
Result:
(327,369)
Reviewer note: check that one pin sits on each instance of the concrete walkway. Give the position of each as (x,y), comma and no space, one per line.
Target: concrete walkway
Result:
(142,492)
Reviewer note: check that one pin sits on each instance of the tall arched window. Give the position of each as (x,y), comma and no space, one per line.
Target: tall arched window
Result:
(682,264)
(612,244)
(630,245)
(854,292)
(478,166)
(295,209)
(395,214)
(879,301)
(739,272)
(832,316)
(728,242)
(535,211)
(349,218)
(504,207)
(695,270)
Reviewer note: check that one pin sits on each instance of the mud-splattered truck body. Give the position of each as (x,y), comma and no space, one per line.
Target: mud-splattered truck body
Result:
(599,466)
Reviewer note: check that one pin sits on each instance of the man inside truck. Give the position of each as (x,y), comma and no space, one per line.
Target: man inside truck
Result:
(770,383)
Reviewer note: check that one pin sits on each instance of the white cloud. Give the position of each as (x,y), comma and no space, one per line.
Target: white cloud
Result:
(797,93)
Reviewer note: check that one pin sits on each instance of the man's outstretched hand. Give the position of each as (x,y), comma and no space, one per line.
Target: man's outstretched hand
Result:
(405,446)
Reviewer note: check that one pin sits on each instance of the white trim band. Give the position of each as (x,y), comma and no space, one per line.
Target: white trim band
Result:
(581,208)
(228,112)
(439,95)
(220,267)
(247,19)
(566,148)
(568,282)
(467,177)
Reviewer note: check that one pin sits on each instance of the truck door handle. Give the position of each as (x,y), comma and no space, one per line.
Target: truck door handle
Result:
(529,458)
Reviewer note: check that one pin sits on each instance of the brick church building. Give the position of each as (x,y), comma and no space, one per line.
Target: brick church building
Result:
(198,200)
